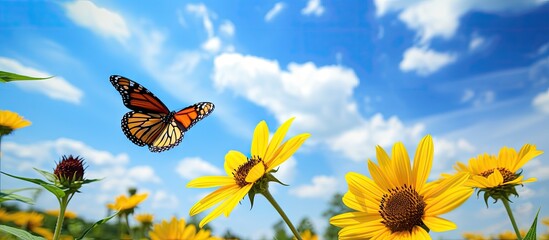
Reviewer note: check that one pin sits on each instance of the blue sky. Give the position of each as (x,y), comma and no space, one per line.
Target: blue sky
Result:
(355,74)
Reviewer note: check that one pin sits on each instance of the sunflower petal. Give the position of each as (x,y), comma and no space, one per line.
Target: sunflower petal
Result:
(210,181)
(233,160)
(438,224)
(402,164)
(260,140)
(380,178)
(423,161)
(255,173)
(525,155)
(447,201)
(420,234)
(277,139)
(232,201)
(213,198)
(385,163)
(287,150)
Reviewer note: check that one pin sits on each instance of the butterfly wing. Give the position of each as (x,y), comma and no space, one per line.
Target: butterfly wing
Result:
(168,138)
(158,131)
(190,115)
(136,97)
(142,128)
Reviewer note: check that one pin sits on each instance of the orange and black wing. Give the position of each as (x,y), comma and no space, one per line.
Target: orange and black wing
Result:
(190,115)
(136,97)
(158,131)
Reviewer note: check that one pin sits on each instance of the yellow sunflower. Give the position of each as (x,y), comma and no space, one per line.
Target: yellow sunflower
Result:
(124,203)
(32,221)
(178,230)
(308,235)
(473,236)
(5,216)
(243,173)
(510,235)
(10,121)
(545,221)
(488,171)
(398,202)
(144,218)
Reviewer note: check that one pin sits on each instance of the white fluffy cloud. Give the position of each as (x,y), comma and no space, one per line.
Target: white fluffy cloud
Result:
(541,102)
(201,11)
(478,99)
(102,21)
(358,143)
(425,61)
(194,167)
(227,28)
(321,187)
(56,88)
(314,7)
(271,14)
(448,152)
(538,169)
(476,42)
(212,45)
(163,199)
(320,99)
(441,18)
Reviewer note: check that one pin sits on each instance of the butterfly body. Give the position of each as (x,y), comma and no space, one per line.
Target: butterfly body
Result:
(150,122)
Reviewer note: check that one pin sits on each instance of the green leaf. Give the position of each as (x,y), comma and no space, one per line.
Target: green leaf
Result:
(86,181)
(21,234)
(48,175)
(48,186)
(104,220)
(9,194)
(8,76)
(531,235)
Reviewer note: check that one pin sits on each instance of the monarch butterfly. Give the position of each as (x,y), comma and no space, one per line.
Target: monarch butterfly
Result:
(151,122)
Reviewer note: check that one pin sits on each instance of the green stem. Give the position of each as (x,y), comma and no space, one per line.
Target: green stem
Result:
(128,225)
(513,222)
(62,207)
(270,198)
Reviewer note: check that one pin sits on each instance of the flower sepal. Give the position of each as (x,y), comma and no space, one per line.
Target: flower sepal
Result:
(499,193)
(272,178)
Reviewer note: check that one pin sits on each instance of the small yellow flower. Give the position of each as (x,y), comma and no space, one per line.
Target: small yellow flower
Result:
(545,221)
(488,171)
(124,203)
(178,230)
(68,214)
(5,216)
(10,121)
(144,218)
(397,202)
(243,173)
(32,221)
(473,236)
(308,235)
(510,235)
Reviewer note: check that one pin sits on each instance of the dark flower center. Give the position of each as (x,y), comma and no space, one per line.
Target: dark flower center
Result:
(70,169)
(402,209)
(507,175)
(242,171)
